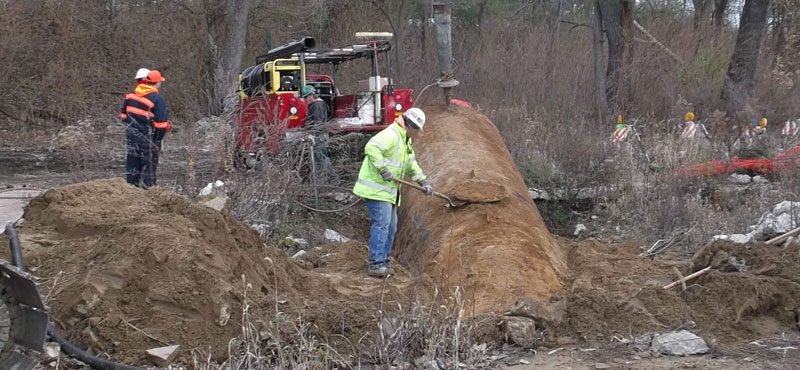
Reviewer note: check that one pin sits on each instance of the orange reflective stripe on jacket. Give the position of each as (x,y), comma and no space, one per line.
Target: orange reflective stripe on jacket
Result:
(138,111)
(141,99)
(123,115)
(161,125)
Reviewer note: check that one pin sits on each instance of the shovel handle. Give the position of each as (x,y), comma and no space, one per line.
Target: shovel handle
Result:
(411,184)
(420,188)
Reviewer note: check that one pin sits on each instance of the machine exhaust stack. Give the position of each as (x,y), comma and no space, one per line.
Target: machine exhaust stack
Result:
(441,18)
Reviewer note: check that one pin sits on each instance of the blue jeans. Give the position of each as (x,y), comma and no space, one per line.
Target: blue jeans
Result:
(381,234)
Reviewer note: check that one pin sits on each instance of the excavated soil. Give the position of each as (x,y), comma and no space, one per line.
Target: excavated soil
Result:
(479,191)
(118,262)
(752,292)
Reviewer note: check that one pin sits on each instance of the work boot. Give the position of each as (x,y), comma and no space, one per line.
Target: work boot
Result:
(379,271)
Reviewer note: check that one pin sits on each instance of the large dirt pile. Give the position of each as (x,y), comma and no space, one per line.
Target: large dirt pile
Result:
(150,259)
(496,249)
(123,261)
(752,292)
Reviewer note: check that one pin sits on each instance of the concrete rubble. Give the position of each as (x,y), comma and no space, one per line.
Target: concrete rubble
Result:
(164,355)
(782,218)
(571,194)
(740,179)
(214,197)
(335,237)
(211,188)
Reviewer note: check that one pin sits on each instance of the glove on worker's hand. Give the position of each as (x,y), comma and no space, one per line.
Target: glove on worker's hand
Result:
(427,187)
(387,176)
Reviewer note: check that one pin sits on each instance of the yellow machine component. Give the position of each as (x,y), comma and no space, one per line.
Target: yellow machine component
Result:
(285,75)
(689,116)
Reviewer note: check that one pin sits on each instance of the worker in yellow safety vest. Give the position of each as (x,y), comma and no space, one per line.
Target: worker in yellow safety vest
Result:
(388,155)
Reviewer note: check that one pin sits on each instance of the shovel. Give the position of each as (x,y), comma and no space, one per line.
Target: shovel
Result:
(450,202)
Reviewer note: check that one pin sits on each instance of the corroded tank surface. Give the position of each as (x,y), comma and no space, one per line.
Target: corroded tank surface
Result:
(496,249)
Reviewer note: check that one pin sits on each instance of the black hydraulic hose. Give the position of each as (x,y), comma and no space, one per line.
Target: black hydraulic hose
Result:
(92,360)
(66,346)
(16,249)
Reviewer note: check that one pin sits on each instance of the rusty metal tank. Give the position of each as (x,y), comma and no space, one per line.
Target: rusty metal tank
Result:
(496,250)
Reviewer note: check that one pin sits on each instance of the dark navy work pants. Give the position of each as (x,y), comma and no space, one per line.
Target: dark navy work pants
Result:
(141,162)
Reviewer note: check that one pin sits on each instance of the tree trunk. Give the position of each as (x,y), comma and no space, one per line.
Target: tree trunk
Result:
(700,11)
(229,62)
(553,12)
(424,14)
(628,46)
(720,7)
(600,102)
(614,16)
(742,69)
(399,38)
(778,33)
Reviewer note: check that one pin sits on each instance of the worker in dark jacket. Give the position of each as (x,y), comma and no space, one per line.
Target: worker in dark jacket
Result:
(144,113)
(316,123)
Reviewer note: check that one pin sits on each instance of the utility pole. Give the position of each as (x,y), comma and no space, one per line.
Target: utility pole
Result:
(442,21)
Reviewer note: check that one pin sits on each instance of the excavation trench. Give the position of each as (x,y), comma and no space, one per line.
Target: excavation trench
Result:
(496,249)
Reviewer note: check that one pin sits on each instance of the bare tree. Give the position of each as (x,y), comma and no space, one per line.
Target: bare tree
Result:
(617,22)
(720,7)
(742,69)
(701,8)
(779,26)
(226,56)
(553,10)
(600,102)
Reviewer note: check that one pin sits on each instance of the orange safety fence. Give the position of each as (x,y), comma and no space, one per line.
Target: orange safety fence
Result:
(785,161)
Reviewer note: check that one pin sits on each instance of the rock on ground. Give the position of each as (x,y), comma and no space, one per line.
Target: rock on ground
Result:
(679,343)
(520,331)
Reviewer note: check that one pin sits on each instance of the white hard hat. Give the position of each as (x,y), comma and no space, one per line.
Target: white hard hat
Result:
(416,117)
(141,73)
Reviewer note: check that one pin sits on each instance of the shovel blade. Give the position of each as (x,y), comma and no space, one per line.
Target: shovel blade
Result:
(451,203)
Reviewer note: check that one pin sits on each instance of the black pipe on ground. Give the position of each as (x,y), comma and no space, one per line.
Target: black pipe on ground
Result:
(66,346)
(90,359)
(16,249)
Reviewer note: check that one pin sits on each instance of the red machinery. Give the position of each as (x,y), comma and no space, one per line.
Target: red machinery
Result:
(270,107)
